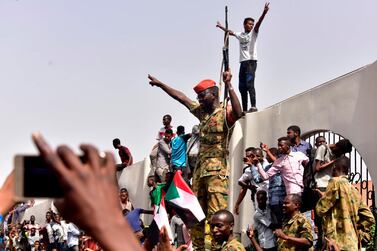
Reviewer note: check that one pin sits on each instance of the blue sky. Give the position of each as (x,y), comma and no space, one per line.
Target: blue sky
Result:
(77,70)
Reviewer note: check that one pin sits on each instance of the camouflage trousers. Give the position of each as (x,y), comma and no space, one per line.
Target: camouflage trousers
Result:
(212,193)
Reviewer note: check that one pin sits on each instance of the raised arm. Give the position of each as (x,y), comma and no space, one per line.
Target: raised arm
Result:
(236,106)
(266,149)
(177,95)
(250,234)
(219,25)
(266,175)
(265,10)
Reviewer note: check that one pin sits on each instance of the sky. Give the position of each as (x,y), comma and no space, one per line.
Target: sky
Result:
(76,71)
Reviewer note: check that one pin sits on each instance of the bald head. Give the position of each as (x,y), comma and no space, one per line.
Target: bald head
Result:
(222,225)
(225,216)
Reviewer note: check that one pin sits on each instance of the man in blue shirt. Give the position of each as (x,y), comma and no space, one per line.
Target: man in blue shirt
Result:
(133,219)
(178,150)
(297,144)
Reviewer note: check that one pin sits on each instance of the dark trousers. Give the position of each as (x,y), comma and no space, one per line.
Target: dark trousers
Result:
(246,82)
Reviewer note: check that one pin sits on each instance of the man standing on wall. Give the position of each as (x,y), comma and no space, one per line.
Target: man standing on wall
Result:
(211,175)
(248,57)
(124,154)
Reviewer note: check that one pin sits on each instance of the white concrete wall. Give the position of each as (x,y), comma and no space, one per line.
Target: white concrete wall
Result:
(346,105)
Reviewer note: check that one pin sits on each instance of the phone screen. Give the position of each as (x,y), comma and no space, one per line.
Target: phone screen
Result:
(39,180)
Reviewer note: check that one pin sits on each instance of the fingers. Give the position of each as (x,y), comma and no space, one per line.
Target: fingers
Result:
(49,155)
(69,158)
(150,77)
(92,156)
(182,247)
(110,164)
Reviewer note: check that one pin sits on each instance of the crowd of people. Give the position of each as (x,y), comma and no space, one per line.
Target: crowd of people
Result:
(302,197)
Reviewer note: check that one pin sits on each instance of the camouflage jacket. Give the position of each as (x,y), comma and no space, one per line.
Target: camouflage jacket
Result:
(232,245)
(346,218)
(213,136)
(299,227)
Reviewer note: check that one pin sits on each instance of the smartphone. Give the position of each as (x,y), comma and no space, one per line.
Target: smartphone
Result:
(34,178)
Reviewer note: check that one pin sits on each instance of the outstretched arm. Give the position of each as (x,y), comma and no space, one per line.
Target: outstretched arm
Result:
(219,25)
(265,10)
(177,95)
(236,106)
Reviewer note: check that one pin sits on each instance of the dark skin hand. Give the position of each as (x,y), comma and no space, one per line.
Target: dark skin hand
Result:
(265,10)
(297,241)
(7,194)
(165,245)
(90,194)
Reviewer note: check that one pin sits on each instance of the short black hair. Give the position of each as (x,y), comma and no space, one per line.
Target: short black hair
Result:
(274,151)
(123,189)
(180,130)
(319,137)
(167,116)
(258,149)
(262,192)
(249,149)
(116,141)
(295,129)
(247,19)
(286,139)
(229,215)
(343,163)
(344,146)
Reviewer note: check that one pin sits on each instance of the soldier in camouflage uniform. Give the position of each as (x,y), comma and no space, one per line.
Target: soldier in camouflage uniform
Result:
(222,223)
(296,233)
(346,218)
(210,179)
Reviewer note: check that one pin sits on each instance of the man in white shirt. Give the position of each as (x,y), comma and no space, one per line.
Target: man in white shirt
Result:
(263,223)
(248,58)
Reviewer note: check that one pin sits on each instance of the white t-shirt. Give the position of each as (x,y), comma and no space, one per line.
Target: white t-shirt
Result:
(248,45)
(323,155)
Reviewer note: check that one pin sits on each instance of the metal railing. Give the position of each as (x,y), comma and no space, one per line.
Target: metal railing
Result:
(359,175)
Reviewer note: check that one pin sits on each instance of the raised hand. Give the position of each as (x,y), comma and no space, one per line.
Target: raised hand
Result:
(154,81)
(266,7)
(227,77)
(90,193)
(7,194)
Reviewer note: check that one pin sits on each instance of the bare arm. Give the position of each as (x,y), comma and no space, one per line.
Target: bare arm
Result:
(268,152)
(265,176)
(319,167)
(7,194)
(250,234)
(241,195)
(236,106)
(177,95)
(219,25)
(265,10)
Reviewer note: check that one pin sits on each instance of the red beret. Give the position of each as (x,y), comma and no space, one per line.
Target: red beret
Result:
(203,85)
